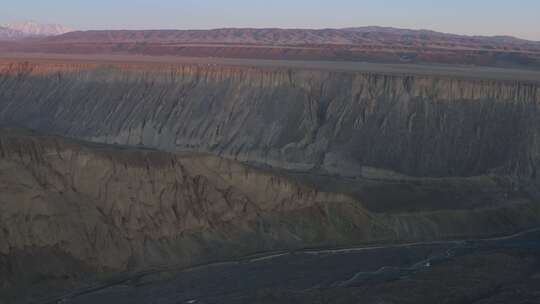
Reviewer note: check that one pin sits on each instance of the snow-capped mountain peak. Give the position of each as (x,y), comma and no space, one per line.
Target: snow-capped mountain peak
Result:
(30,28)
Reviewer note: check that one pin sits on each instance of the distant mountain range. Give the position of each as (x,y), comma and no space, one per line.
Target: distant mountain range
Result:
(36,29)
(372,43)
(19,30)
(9,34)
(277,36)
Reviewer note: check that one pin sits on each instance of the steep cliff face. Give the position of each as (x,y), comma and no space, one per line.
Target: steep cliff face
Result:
(300,119)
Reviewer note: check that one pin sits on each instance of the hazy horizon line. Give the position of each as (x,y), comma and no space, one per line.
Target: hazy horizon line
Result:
(137,28)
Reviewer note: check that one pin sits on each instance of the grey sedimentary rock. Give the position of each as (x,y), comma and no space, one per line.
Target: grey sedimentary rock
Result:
(337,122)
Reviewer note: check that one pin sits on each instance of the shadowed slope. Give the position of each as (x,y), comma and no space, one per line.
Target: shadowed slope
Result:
(89,209)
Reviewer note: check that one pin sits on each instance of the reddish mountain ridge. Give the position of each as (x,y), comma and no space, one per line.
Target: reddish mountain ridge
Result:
(277,36)
(378,44)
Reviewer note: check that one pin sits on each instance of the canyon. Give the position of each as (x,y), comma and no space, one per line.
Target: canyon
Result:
(138,164)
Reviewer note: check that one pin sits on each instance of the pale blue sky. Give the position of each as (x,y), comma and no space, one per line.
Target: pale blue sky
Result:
(485,17)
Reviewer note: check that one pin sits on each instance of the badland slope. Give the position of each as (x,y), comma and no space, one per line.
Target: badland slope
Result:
(90,210)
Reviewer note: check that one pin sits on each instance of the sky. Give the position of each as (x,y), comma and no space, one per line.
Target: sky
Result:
(520,18)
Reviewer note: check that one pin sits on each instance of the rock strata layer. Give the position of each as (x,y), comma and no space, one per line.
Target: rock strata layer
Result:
(336,122)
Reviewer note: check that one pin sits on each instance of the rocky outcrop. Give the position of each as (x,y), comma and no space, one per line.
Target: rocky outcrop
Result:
(335,122)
